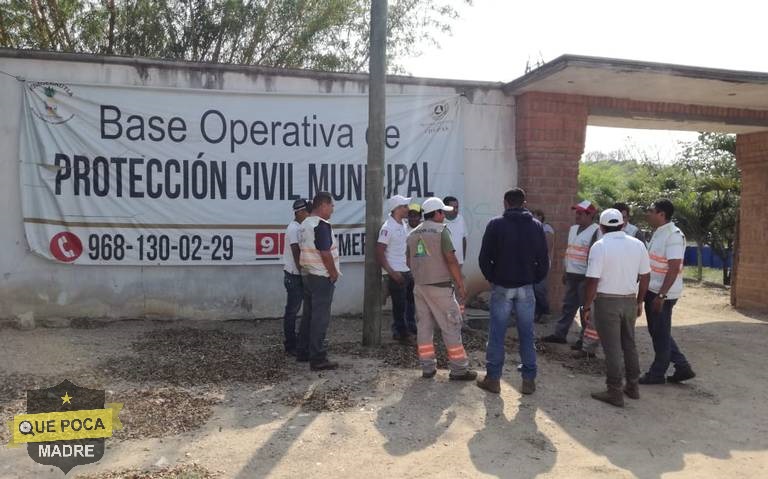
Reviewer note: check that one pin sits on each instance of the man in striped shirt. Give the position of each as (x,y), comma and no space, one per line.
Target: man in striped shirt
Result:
(319,260)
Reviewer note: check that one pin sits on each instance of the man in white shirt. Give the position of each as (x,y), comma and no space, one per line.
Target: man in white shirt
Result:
(666,250)
(390,254)
(458,228)
(617,263)
(629,228)
(292,275)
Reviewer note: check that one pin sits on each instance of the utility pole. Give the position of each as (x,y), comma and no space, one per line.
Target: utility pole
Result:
(374,178)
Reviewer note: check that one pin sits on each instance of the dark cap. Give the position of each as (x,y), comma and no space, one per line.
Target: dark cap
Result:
(299,205)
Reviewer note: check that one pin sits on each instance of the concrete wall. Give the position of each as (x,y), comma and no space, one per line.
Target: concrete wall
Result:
(47,289)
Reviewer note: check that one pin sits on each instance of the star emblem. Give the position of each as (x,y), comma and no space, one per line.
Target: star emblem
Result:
(66,398)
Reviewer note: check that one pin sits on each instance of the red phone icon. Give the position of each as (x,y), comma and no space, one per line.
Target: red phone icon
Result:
(66,247)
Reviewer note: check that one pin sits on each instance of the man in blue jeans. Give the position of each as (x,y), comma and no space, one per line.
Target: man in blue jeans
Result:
(292,275)
(513,258)
(666,251)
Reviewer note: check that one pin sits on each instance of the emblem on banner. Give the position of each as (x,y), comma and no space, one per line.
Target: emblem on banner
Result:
(45,103)
(65,425)
(440,110)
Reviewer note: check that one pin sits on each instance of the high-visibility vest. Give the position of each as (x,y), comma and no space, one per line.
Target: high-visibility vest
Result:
(578,248)
(666,236)
(311,262)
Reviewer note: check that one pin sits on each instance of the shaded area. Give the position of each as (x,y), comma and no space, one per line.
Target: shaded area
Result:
(524,448)
(714,415)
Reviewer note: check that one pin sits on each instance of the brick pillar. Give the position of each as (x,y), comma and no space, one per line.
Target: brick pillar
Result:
(549,135)
(750,284)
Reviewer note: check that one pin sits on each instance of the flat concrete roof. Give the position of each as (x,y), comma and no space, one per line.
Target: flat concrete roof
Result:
(654,82)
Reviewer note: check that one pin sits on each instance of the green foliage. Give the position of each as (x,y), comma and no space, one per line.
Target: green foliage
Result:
(316,34)
(703,184)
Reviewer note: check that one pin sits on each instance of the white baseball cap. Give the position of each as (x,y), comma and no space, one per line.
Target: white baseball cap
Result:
(611,217)
(397,201)
(434,204)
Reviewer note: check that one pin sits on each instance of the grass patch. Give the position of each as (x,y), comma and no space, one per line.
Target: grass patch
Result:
(712,275)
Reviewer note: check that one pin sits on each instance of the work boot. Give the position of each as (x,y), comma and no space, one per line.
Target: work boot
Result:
(529,386)
(612,396)
(467,375)
(490,385)
(648,379)
(323,366)
(681,375)
(553,338)
(632,390)
(428,374)
(577,345)
(581,354)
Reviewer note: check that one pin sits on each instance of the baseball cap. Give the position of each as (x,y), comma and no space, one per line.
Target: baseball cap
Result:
(611,217)
(585,206)
(397,200)
(300,205)
(414,207)
(434,204)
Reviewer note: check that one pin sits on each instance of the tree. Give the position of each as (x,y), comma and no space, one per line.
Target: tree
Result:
(315,34)
(708,211)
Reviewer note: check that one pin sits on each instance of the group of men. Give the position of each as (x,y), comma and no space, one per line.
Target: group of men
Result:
(611,276)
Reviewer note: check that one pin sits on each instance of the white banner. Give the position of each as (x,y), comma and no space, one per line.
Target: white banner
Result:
(140,176)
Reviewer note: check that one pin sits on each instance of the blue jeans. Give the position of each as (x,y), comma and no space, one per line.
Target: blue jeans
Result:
(295,296)
(665,347)
(318,296)
(541,291)
(403,306)
(502,301)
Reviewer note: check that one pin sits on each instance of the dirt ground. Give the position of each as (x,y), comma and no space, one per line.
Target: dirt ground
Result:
(219,399)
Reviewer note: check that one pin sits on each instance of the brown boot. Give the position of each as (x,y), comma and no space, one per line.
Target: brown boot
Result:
(612,396)
(529,386)
(490,385)
(632,390)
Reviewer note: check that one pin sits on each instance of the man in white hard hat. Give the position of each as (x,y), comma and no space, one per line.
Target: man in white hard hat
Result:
(438,285)
(618,275)
(390,254)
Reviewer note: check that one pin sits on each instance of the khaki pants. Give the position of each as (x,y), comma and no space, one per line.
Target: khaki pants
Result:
(614,318)
(437,306)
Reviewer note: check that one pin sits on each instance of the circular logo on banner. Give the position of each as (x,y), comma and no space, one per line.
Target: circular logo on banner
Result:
(66,247)
(46,105)
(439,111)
